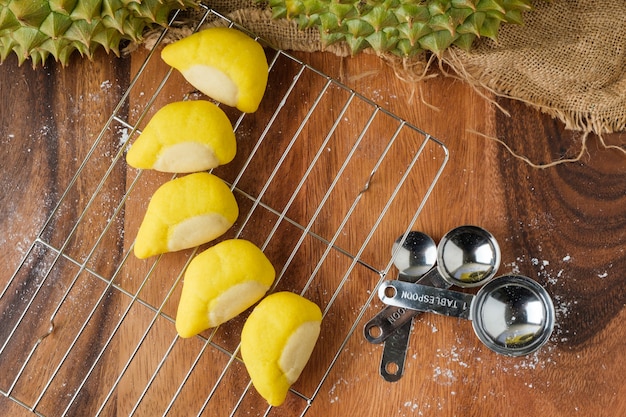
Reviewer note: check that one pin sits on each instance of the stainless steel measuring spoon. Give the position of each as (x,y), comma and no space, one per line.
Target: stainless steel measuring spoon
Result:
(512,315)
(467,256)
(413,255)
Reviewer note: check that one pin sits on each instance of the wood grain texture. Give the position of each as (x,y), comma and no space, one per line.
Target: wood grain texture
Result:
(48,120)
(564,226)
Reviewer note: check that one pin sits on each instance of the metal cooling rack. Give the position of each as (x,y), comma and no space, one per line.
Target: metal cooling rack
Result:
(92,333)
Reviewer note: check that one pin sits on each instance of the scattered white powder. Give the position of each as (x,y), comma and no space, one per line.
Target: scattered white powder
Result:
(454,354)
(443,376)
(514,267)
(413,407)
(123,136)
(332,391)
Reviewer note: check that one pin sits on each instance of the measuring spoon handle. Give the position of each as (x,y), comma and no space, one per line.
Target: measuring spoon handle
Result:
(386,322)
(394,353)
(391,318)
(426,298)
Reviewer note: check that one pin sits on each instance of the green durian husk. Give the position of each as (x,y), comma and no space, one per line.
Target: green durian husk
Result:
(402,27)
(38,29)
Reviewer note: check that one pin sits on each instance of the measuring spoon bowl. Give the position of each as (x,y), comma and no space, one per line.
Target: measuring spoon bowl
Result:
(415,254)
(468,256)
(512,315)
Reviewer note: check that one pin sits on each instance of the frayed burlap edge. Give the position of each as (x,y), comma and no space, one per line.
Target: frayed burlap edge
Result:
(586,124)
(594,122)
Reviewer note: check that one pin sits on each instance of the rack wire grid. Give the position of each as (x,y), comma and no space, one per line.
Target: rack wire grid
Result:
(88,329)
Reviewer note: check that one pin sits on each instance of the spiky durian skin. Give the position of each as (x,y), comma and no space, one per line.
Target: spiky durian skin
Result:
(402,27)
(37,29)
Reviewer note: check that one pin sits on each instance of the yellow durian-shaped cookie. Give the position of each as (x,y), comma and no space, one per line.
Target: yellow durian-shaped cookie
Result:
(186,212)
(223,63)
(220,283)
(277,340)
(183,137)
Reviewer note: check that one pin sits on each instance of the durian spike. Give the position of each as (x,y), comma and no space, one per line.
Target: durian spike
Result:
(329,38)
(490,28)
(472,24)
(110,39)
(437,7)
(82,32)
(28,39)
(411,13)
(38,57)
(152,10)
(469,4)
(116,19)
(414,32)
(490,5)
(133,29)
(22,55)
(406,49)
(313,7)
(460,15)
(82,49)
(55,46)
(518,5)
(65,55)
(30,13)
(6,47)
(329,23)
(356,44)
(364,8)
(55,25)
(379,18)
(359,28)
(436,42)
(341,11)
(111,7)
(465,41)
(514,16)
(443,22)
(382,40)
(62,6)
(293,8)
(279,12)
(87,10)
(8,21)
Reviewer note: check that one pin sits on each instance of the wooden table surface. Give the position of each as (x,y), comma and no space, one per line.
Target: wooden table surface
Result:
(564,226)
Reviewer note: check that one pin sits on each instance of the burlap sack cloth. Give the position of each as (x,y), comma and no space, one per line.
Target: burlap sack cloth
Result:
(568,59)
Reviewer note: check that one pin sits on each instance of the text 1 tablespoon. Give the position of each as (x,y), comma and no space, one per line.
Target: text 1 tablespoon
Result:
(512,315)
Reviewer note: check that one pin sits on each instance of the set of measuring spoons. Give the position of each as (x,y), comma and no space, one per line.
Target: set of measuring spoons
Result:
(511,314)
